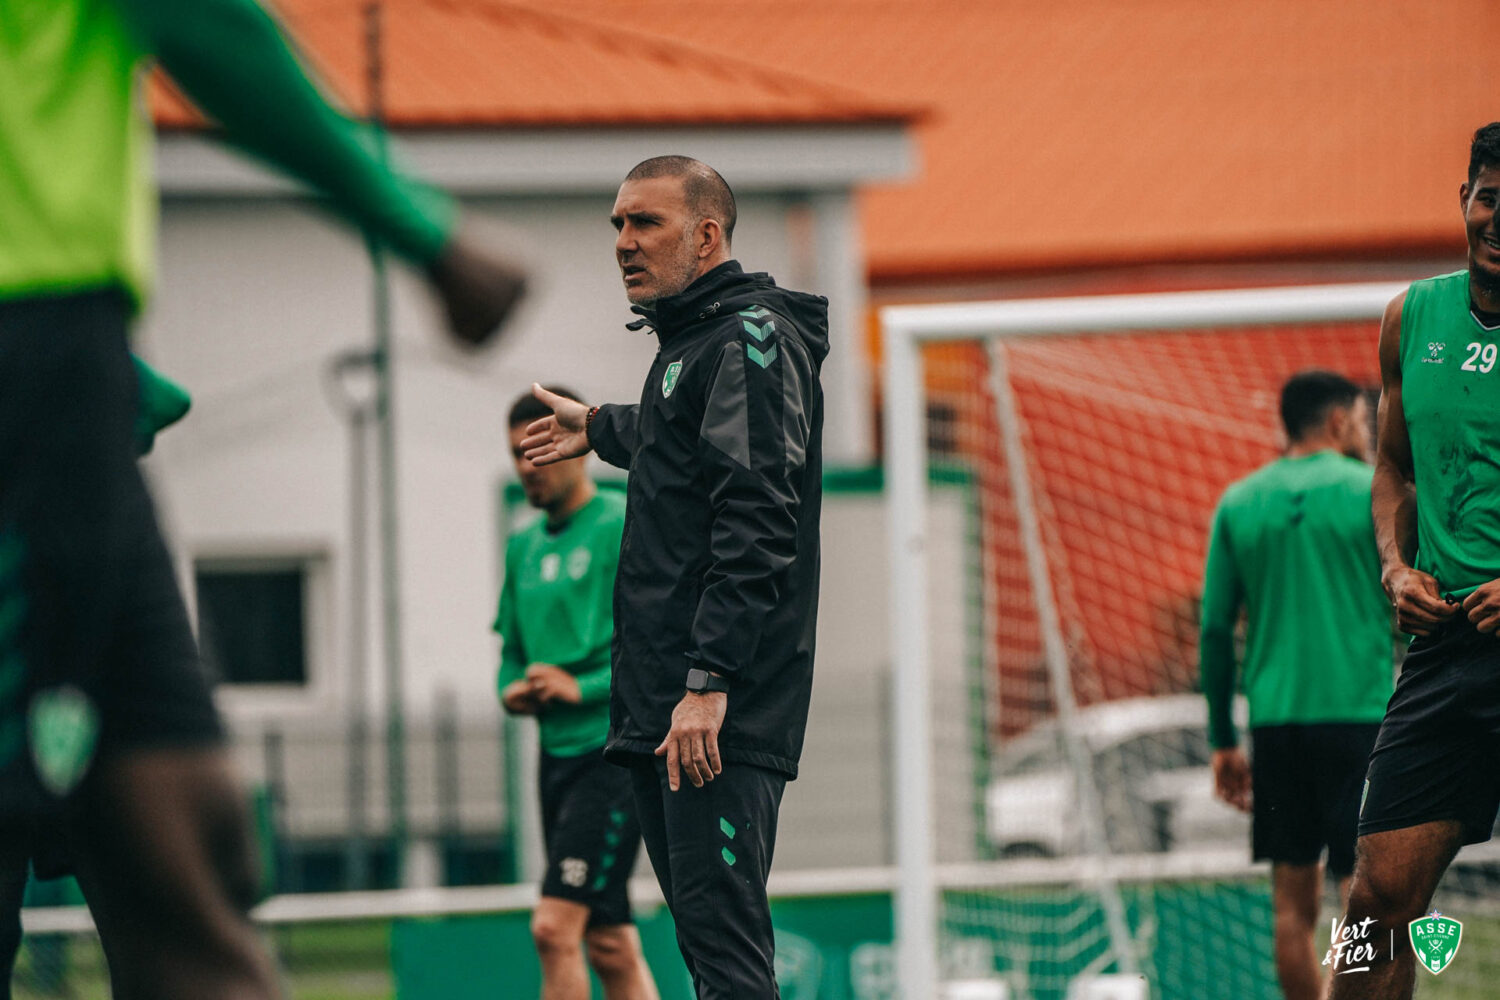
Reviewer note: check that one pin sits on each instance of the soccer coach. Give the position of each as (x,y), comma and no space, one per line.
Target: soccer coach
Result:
(717,590)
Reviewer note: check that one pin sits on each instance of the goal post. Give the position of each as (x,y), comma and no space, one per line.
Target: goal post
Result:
(972,344)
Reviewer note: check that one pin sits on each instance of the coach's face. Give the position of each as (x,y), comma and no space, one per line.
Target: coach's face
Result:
(1479,200)
(657,245)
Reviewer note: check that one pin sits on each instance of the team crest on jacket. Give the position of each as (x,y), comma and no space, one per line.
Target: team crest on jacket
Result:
(669,380)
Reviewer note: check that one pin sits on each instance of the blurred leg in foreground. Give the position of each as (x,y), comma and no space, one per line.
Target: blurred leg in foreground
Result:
(108,738)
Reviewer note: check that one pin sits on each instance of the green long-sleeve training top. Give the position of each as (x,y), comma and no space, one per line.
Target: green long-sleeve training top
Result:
(1293,544)
(556,606)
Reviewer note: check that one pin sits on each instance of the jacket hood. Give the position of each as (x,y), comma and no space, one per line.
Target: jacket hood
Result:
(726,290)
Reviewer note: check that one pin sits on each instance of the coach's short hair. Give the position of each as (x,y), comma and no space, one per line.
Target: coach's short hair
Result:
(1484,151)
(527,407)
(1308,396)
(708,195)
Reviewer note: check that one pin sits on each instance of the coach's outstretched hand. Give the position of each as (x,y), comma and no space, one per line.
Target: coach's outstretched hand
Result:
(561,436)
(479,288)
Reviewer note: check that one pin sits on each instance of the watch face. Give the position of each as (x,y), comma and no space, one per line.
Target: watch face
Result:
(700,681)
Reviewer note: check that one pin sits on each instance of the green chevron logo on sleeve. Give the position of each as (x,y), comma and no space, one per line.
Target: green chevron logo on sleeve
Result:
(760,333)
(764,360)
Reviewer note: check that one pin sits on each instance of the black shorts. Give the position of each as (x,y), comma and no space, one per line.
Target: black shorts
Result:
(592,834)
(1436,755)
(1306,780)
(96,654)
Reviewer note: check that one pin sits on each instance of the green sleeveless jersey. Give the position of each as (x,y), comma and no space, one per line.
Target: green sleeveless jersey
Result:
(1450,390)
(76,203)
(1293,544)
(557,607)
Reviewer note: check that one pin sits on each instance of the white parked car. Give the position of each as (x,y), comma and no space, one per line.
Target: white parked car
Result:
(1150,762)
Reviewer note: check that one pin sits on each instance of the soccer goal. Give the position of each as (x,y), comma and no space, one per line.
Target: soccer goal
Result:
(1055,826)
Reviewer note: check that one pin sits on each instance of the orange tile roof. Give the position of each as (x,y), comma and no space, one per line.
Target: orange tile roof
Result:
(495,63)
(1111,131)
(1062,135)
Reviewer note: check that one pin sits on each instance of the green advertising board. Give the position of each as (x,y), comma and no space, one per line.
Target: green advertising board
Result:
(838,947)
(829,948)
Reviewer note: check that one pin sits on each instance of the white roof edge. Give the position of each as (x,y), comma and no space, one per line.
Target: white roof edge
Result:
(579,161)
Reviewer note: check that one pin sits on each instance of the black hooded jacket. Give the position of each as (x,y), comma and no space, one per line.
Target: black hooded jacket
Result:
(719,561)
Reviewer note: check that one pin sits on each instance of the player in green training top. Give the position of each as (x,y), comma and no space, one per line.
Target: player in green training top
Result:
(556,622)
(1294,546)
(110,745)
(1433,784)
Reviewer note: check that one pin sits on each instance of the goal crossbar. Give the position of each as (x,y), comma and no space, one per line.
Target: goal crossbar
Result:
(1154,311)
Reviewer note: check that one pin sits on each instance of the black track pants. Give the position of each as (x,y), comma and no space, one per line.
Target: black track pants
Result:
(711,848)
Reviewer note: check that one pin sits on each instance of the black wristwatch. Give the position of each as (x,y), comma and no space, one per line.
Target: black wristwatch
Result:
(700,681)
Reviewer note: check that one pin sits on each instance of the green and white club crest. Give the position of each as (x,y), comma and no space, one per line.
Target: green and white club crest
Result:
(1435,939)
(64,729)
(669,380)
